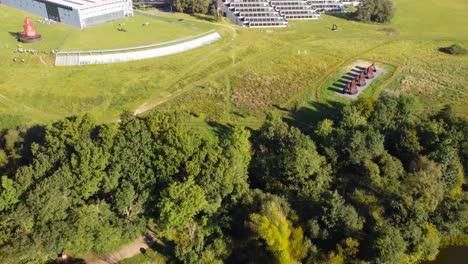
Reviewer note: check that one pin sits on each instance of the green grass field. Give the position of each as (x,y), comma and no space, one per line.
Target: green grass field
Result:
(237,79)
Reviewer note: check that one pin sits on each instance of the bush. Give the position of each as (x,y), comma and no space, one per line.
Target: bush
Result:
(379,11)
(455,49)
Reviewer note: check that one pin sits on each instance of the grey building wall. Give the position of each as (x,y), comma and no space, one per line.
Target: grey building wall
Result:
(73,17)
(32,7)
(70,17)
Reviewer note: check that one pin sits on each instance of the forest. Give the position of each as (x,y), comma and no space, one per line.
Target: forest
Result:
(380,182)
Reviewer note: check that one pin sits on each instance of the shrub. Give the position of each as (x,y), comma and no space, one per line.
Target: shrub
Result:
(379,11)
(455,49)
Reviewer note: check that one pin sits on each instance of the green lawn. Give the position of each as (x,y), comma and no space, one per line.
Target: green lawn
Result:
(107,36)
(240,77)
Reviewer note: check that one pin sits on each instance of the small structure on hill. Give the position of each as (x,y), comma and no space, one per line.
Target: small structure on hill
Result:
(361,79)
(369,72)
(29,32)
(351,88)
(358,83)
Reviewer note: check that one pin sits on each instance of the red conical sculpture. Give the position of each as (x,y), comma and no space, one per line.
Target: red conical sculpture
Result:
(370,72)
(29,33)
(351,87)
(360,79)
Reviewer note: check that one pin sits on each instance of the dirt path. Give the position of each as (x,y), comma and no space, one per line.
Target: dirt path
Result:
(42,60)
(128,251)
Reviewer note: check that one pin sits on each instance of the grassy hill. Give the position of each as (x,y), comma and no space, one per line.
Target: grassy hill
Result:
(247,73)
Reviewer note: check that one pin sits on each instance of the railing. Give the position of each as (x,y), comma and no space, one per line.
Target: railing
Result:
(134,48)
(135,53)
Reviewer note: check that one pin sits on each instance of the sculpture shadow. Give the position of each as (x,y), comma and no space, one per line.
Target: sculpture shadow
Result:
(16,35)
(342,82)
(280,108)
(337,87)
(238,114)
(348,77)
(360,68)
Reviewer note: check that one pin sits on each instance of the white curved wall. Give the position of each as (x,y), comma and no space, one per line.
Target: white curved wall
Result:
(83,59)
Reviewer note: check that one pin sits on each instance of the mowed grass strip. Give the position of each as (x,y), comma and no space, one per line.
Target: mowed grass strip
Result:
(107,36)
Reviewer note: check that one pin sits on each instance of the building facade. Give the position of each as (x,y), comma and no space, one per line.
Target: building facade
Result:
(77,13)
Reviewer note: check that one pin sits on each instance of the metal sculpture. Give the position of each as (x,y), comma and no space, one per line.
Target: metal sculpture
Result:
(369,72)
(361,79)
(29,32)
(351,87)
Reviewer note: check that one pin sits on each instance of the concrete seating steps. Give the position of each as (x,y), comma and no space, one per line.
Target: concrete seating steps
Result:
(268,13)
(295,9)
(327,6)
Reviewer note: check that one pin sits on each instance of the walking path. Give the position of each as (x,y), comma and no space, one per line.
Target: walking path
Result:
(127,251)
(138,246)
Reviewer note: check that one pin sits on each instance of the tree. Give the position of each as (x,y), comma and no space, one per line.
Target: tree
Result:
(380,11)
(284,241)
(8,194)
(286,160)
(425,183)
(222,171)
(337,219)
(178,206)
(386,245)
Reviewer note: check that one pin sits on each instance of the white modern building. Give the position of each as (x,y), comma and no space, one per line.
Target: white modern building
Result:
(77,13)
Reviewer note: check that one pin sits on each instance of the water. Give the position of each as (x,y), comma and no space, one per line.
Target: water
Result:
(451,255)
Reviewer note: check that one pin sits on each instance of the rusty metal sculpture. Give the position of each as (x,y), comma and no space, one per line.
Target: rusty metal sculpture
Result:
(351,87)
(29,32)
(373,67)
(369,72)
(361,79)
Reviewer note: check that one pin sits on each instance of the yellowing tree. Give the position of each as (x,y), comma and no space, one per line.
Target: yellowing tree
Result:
(283,240)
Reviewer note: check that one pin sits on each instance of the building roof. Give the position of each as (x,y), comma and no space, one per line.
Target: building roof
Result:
(81,4)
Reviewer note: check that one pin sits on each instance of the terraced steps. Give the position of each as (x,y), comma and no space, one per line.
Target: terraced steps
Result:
(267,13)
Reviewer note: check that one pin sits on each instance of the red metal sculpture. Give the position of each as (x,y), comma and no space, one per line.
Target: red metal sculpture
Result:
(361,79)
(370,72)
(29,32)
(373,67)
(351,87)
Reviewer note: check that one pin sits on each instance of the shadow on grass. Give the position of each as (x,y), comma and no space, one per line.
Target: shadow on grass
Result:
(348,77)
(453,50)
(337,88)
(280,108)
(341,82)
(205,18)
(16,35)
(219,129)
(346,16)
(306,118)
(162,248)
(238,114)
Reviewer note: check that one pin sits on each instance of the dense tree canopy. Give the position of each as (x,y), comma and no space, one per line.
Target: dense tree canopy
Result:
(379,11)
(382,182)
(194,6)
